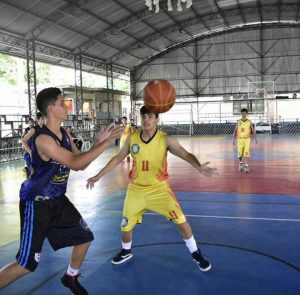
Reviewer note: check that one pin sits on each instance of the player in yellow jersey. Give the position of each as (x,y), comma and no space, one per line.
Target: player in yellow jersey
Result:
(127,131)
(243,131)
(148,188)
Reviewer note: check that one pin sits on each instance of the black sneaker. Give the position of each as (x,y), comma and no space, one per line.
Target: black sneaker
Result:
(201,261)
(73,284)
(122,256)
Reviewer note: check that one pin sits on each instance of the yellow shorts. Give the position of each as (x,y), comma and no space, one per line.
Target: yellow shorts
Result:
(158,198)
(243,147)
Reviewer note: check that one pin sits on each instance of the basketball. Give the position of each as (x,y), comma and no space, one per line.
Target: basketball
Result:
(159,96)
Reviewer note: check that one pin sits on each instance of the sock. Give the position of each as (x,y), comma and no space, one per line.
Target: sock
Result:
(126,246)
(191,244)
(72,272)
(246,165)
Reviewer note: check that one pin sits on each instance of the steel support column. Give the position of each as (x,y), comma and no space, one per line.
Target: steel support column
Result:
(78,85)
(31,77)
(133,97)
(110,92)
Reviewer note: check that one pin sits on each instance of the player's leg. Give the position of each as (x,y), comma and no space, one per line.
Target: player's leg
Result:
(164,202)
(10,273)
(134,207)
(191,244)
(68,228)
(240,145)
(32,227)
(247,155)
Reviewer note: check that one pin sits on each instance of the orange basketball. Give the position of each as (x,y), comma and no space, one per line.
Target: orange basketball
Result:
(159,96)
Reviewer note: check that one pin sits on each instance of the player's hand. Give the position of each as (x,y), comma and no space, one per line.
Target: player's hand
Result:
(91,182)
(207,171)
(110,132)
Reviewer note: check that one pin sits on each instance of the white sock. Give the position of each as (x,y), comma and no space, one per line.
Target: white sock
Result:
(72,272)
(246,165)
(126,246)
(191,244)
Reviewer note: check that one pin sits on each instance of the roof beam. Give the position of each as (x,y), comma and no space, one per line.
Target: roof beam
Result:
(216,33)
(242,12)
(52,51)
(189,22)
(6,2)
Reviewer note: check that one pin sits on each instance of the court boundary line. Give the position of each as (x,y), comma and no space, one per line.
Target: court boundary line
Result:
(218,216)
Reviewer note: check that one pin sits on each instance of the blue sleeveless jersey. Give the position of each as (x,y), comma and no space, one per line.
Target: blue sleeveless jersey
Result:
(49,178)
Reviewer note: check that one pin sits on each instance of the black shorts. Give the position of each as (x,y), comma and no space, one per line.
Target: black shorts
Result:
(57,220)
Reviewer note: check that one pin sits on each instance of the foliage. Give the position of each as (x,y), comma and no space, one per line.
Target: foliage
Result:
(8,69)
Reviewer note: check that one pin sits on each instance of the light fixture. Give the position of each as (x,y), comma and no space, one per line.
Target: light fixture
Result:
(151,3)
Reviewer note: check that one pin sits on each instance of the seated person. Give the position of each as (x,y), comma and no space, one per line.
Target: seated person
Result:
(78,142)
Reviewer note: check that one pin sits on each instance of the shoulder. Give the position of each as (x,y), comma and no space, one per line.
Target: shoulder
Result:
(162,133)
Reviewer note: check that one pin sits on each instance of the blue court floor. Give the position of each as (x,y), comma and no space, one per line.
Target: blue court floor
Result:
(252,242)
(247,225)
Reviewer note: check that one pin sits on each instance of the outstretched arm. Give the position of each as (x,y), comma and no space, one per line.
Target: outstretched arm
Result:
(176,149)
(49,149)
(114,161)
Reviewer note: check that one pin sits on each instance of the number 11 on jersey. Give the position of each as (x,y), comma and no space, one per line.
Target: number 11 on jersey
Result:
(145,165)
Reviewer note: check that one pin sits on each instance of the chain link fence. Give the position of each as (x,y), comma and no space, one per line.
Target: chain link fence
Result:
(11,148)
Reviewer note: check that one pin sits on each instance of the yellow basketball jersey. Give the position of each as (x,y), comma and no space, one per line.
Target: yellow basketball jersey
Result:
(244,128)
(149,159)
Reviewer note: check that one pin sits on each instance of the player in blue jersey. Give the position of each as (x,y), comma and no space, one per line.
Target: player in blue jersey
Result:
(45,211)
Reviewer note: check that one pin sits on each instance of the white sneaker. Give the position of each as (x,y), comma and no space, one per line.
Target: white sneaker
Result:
(247,169)
(241,167)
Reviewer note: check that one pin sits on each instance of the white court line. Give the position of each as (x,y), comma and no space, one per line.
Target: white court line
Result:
(221,217)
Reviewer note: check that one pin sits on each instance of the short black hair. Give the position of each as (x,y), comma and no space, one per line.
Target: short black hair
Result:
(244,110)
(46,97)
(39,115)
(144,111)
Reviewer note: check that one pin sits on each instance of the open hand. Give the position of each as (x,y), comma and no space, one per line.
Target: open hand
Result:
(207,171)
(110,132)
(91,181)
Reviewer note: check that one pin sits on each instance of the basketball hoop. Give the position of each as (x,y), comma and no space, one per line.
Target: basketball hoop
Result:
(151,3)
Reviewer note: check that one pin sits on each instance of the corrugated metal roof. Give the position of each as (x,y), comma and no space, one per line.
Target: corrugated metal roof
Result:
(125,32)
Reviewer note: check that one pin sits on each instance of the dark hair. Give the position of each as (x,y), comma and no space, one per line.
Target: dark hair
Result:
(39,115)
(244,110)
(144,111)
(46,97)
(124,117)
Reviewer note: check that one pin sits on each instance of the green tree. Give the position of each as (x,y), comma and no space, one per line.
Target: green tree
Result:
(8,69)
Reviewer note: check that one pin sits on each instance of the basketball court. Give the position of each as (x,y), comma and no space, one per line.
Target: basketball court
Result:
(246,224)
(200,65)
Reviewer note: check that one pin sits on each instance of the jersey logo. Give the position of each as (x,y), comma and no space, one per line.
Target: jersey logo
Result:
(84,225)
(37,257)
(135,148)
(124,221)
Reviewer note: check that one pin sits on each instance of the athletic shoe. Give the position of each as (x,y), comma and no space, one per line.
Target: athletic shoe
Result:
(247,169)
(241,167)
(201,261)
(122,256)
(72,283)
